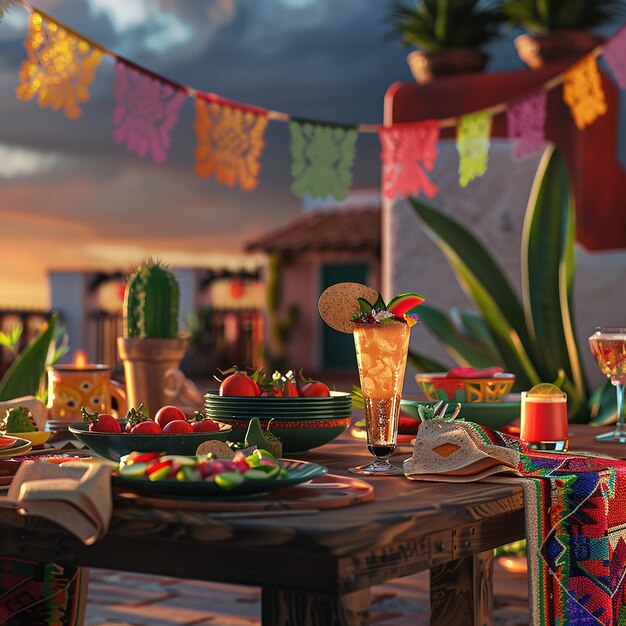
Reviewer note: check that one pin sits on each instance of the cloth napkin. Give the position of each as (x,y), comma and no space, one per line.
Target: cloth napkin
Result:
(76,496)
(575,516)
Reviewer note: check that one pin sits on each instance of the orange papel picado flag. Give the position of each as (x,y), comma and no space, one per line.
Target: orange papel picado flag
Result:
(59,69)
(583,93)
(231,139)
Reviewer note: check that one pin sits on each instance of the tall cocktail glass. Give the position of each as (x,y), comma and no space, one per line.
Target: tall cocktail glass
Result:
(381,352)
(608,346)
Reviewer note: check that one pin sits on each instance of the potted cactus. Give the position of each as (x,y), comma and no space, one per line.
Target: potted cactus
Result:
(151,348)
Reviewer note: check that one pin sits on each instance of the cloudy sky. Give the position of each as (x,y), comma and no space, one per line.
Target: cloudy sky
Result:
(70,197)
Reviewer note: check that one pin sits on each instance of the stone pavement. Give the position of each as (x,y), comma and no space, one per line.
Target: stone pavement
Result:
(126,599)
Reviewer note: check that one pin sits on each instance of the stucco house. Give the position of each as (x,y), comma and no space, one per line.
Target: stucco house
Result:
(306,255)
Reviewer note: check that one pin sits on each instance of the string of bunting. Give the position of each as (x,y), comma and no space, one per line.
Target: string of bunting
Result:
(61,66)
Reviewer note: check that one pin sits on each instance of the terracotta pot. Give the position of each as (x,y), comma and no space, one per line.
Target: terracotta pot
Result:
(560,46)
(428,66)
(150,369)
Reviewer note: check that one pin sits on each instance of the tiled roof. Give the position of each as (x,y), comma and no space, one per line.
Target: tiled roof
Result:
(341,229)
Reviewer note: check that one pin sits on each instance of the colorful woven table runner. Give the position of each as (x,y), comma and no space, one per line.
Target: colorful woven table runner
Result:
(575,531)
(41,594)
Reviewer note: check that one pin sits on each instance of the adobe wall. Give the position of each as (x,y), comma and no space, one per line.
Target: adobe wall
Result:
(493,208)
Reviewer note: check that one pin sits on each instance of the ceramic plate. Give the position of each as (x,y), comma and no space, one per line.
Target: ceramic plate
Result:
(339,397)
(6,441)
(18,447)
(491,414)
(299,472)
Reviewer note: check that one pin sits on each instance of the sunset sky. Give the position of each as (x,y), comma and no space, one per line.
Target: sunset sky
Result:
(70,197)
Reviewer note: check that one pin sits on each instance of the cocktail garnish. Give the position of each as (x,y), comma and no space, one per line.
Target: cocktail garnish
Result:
(345,304)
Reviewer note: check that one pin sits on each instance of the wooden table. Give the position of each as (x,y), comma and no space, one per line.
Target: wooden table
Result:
(316,569)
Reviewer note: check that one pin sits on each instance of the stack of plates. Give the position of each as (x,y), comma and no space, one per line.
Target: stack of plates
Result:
(338,405)
(301,423)
(10,446)
(57,426)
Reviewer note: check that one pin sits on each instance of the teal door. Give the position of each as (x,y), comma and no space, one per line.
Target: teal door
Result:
(338,348)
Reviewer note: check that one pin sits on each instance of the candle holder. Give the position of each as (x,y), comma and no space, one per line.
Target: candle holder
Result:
(71,387)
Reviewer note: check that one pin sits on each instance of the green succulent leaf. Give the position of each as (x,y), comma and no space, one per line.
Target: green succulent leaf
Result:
(24,376)
(547,273)
(11,339)
(602,405)
(463,348)
(423,363)
(471,325)
(485,283)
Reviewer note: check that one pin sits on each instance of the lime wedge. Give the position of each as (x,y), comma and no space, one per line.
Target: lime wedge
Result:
(229,480)
(545,389)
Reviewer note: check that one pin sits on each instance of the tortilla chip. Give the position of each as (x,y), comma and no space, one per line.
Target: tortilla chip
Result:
(218,449)
(337,304)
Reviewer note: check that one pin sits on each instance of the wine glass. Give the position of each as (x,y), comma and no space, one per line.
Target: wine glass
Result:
(381,352)
(608,346)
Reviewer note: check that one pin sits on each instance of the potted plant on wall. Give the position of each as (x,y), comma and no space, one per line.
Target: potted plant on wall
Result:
(151,348)
(448,35)
(558,30)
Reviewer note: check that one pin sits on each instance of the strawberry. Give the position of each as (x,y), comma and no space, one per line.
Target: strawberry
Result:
(136,415)
(101,422)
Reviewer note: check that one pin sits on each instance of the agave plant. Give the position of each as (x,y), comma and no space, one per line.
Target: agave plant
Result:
(25,376)
(534,338)
(435,24)
(543,16)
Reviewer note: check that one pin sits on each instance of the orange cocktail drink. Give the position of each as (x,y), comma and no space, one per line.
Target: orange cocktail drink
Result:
(381,352)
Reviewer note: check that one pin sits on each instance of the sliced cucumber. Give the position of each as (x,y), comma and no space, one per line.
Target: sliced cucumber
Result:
(229,480)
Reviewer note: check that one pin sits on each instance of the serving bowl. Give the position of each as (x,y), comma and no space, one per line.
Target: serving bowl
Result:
(112,446)
(296,435)
(437,386)
(490,414)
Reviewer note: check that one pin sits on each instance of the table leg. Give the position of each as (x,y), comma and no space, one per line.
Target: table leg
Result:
(294,608)
(461,592)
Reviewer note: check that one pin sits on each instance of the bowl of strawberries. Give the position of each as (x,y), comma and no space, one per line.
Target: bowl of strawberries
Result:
(170,432)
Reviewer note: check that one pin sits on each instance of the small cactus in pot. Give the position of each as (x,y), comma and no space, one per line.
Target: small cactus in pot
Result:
(151,302)
(151,348)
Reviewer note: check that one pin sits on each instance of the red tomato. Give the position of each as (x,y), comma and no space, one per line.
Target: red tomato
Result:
(147,427)
(178,426)
(290,390)
(167,414)
(239,384)
(205,426)
(105,423)
(315,388)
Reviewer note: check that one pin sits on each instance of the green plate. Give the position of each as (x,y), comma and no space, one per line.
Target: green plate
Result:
(218,414)
(491,414)
(298,472)
(335,397)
